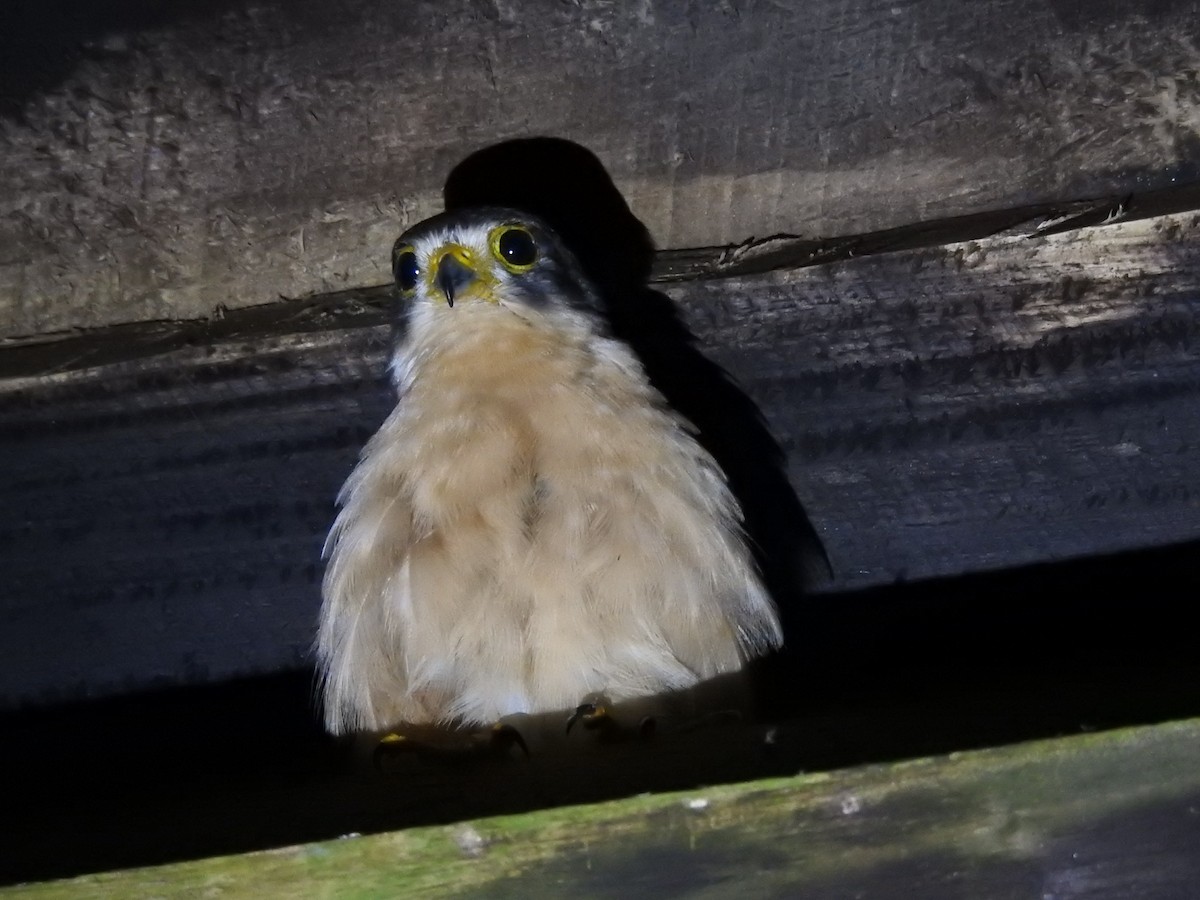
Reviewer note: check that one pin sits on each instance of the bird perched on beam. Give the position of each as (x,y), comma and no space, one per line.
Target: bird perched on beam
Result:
(532,526)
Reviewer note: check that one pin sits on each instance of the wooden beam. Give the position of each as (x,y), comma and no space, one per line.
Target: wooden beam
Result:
(1110,814)
(160,162)
(942,410)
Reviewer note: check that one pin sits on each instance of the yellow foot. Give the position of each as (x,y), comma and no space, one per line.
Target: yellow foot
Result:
(596,714)
(447,745)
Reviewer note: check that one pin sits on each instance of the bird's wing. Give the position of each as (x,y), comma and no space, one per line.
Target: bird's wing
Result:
(366,578)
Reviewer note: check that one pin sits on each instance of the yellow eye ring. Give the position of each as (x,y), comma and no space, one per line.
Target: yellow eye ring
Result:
(405,267)
(513,247)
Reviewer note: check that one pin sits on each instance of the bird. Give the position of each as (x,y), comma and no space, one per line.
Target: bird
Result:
(532,526)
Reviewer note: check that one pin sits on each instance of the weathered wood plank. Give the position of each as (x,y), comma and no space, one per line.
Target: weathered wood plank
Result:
(161,161)
(1115,814)
(33,355)
(943,410)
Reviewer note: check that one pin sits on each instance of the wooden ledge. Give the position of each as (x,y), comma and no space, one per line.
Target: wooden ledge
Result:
(1108,814)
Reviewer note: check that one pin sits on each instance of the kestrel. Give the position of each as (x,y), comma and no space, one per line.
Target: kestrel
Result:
(532,525)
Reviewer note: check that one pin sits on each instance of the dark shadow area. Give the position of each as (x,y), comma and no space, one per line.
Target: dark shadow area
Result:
(567,186)
(891,673)
(42,41)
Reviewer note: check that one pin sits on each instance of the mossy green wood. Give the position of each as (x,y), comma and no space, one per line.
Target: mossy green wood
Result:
(1107,814)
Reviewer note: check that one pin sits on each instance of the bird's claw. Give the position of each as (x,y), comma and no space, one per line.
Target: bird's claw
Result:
(504,737)
(489,743)
(590,715)
(595,715)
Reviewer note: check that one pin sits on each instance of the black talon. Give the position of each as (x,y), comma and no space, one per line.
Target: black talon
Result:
(588,713)
(449,747)
(504,736)
(388,746)
(596,717)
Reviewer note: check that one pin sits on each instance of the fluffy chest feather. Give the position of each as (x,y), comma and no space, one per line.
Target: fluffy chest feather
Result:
(529,527)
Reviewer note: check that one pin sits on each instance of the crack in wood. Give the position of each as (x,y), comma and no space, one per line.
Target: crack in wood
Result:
(23,357)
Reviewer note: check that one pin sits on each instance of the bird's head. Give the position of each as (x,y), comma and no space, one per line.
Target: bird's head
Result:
(492,256)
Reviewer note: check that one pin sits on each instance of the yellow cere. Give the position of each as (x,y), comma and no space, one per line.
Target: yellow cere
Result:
(485,279)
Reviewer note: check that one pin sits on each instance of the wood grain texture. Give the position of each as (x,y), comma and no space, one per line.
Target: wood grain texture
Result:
(1007,401)
(1105,815)
(943,410)
(161,163)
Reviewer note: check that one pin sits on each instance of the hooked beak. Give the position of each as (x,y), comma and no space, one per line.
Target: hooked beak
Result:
(452,276)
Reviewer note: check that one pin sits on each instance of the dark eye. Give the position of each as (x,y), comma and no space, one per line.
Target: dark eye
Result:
(405,268)
(515,247)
